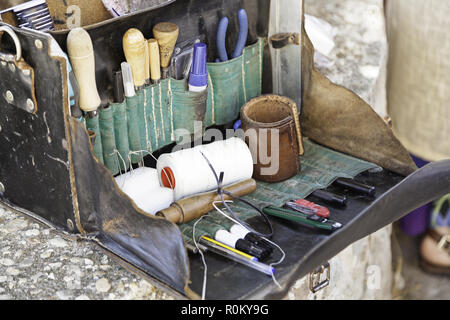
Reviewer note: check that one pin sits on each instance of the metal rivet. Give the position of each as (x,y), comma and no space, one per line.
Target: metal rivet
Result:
(38,44)
(70,225)
(12,67)
(4,64)
(9,96)
(30,105)
(2,188)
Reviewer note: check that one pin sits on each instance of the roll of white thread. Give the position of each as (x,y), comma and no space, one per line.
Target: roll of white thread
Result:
(142,186)
(188,173)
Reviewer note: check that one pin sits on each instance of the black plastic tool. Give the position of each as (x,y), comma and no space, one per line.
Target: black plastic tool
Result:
(330,197)
(356,186)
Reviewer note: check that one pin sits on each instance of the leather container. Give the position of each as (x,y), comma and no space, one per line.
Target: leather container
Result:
(264,116)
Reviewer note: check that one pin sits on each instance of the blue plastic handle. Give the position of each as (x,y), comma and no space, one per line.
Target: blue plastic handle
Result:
(243,34)
(221,39)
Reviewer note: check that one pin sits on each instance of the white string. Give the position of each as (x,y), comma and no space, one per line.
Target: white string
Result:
(271,242)
(205,273)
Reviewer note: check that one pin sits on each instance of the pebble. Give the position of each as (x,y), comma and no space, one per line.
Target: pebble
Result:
(103,285)
(13,271)
(32,233)
(47,254)
(82,297)
(3,279)
(6,262)
(58,242)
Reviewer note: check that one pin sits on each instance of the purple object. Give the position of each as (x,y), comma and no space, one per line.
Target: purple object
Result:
(198,77)
(417,222)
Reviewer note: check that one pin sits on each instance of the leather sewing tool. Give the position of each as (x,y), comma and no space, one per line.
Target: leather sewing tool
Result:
(356,186)
(134,48)
(242,38)
(314,221)
(308,208)
(155,63)
(166,33)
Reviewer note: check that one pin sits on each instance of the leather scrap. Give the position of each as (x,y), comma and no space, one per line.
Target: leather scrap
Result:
(337,118)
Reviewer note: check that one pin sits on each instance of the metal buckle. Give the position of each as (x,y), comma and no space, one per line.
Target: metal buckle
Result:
(315,278)
(445,241)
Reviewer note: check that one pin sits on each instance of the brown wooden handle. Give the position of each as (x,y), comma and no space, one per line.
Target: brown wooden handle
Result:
(189,209)
(166,33)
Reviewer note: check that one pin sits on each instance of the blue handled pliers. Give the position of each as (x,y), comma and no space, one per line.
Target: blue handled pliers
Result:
(222,35)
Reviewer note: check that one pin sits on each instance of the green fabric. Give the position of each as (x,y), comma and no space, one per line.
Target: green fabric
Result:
(233,83)
(134,138)
(121,134)
(162,114)
(320,168)
(106,123)
(92,124)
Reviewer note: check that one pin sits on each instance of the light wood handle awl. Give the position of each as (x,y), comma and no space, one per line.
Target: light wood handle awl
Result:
(134,49)
(81,54)
(155,65)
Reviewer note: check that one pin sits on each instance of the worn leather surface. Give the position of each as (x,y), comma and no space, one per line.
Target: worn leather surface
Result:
(262,115)
(186,210)
(150,243)
(34,148)
(339,119)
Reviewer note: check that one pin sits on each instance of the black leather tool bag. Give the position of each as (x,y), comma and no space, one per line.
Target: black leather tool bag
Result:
(48,170)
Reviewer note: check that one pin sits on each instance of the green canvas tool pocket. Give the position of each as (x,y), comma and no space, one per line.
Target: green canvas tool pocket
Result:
(121,134)
(232,83)
(93,125)
(168,112)
(106,123)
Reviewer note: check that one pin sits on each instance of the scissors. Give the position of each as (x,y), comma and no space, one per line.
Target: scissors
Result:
(242,39)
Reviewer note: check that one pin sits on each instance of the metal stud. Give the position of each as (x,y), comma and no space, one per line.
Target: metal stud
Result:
(30,105)
(38,44)
(70,225)
(2,188)
(12,67)
(9,97)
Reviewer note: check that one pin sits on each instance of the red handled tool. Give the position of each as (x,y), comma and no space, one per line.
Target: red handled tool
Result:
(308,208)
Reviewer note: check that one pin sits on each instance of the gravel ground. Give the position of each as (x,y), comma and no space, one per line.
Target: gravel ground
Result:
(38,264)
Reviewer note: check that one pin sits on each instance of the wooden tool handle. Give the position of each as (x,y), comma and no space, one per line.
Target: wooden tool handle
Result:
(155,65)
(166,33)
(189,209)
(134,49)
(147,63)
(81,54)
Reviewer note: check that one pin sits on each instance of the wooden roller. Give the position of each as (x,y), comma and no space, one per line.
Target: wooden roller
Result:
(186,210)
(134,49)
(166,33)
(81,54)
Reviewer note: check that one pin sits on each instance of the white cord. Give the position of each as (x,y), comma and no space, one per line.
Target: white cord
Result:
(269,241)
(205,274)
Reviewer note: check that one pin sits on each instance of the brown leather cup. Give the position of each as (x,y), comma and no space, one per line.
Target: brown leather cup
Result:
(263,115)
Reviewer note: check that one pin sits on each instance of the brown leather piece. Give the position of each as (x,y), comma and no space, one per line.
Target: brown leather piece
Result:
(337,118)
(263,114)
(189,209)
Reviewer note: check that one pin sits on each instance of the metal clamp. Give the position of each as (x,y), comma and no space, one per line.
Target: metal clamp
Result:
(315,278)
(281,40)
(16,40)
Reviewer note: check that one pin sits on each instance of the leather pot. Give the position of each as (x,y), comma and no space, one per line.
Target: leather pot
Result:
(276,158)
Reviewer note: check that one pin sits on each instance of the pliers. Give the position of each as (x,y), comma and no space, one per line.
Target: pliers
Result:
(242,39)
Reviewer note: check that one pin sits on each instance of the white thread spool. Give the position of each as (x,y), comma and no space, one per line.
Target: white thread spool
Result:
(227,238)
(188,173)
(142,186)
